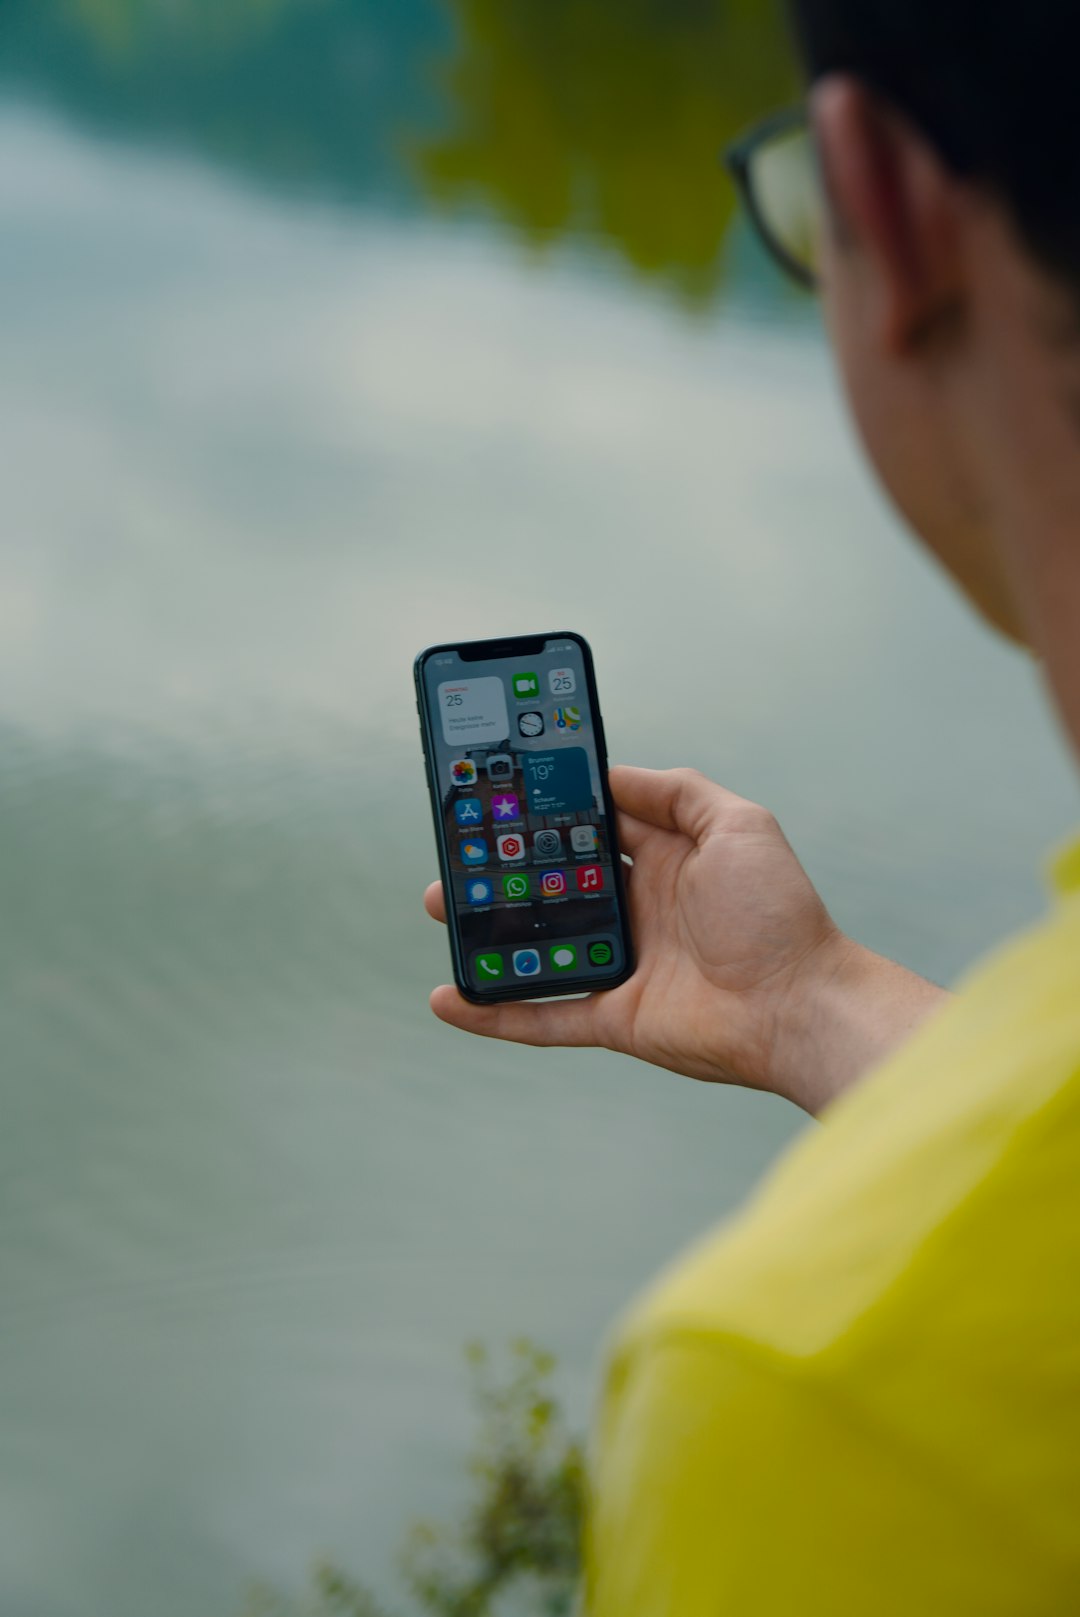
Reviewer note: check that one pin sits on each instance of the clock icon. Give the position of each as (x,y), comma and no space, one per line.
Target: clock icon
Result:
(531,724)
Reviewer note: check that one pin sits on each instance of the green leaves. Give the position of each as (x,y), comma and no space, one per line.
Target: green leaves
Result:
(522,1526)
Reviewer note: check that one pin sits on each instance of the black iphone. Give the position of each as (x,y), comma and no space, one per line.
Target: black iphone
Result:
(524,821)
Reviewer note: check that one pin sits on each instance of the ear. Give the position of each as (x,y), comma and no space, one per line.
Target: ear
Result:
(893,203)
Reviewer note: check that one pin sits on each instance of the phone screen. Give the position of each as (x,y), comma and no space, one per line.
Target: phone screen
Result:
(531,866)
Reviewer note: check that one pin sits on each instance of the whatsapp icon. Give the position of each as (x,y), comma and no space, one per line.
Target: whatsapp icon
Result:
(516,887)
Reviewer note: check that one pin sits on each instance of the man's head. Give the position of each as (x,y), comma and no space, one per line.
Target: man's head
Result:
(951,165)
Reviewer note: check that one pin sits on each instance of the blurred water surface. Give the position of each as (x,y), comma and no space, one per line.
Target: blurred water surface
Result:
(330,330)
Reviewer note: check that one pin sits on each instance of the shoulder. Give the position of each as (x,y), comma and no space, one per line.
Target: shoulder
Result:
(881,1351)
(956,1168)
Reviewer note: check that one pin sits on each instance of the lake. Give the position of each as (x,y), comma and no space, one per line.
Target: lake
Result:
(310,361)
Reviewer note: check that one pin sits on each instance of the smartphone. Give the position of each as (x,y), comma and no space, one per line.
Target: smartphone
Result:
(524,822)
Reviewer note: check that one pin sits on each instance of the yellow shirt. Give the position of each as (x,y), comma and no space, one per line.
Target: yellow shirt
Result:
(862,1398)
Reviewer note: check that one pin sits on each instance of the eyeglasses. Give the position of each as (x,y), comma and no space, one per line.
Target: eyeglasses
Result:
(775,168)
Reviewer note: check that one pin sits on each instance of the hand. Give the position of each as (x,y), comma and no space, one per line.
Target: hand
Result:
(742,975)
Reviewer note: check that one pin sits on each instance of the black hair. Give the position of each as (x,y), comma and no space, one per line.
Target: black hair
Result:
(992,84)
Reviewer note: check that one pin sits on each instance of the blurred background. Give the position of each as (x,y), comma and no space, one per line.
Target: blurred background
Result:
(329,329)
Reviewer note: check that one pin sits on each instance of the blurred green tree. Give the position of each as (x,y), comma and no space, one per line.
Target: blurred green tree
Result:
(596,118)
(521,1531)
(607,116)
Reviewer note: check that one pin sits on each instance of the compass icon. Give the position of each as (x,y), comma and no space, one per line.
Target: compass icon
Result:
(531,724)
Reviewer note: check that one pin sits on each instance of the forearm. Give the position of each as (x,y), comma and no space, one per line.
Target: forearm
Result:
(848,1013)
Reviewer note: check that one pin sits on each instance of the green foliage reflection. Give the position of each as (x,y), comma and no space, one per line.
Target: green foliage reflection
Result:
(565,117)
(607,116)
(521,1533)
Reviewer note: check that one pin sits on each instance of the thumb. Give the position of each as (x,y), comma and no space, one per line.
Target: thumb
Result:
(681,800)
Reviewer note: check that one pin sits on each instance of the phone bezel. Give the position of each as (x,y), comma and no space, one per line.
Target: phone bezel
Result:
(482,651)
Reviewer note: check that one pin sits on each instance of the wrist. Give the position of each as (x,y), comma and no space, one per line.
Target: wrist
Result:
(845,1011)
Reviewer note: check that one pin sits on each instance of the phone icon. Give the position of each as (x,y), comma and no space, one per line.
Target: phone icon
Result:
(563,957)
(525,686)
(531,724)
(516,888)
(469,811)
(490,966)
(511,848)
(463,772)
(563,681)
(526,963)
(553,883)
(547,844)
(474,851)
(583,838)
(590,879)
(479,891)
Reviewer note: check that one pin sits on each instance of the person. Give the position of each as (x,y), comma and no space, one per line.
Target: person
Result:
(862,1396)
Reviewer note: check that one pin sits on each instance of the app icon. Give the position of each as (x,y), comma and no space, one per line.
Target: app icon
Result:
(567,718)
(553,883)
(516,888)
(489,966)
(601,954)
(590,879)
(479,891)
(583,838)
(463,772)
(525,686)
(469,811)
(563,681)
(474,852)
(500,767)
(526,962)
(504,806)
(563,957)
(531,724)
(547,844)
(511,847)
